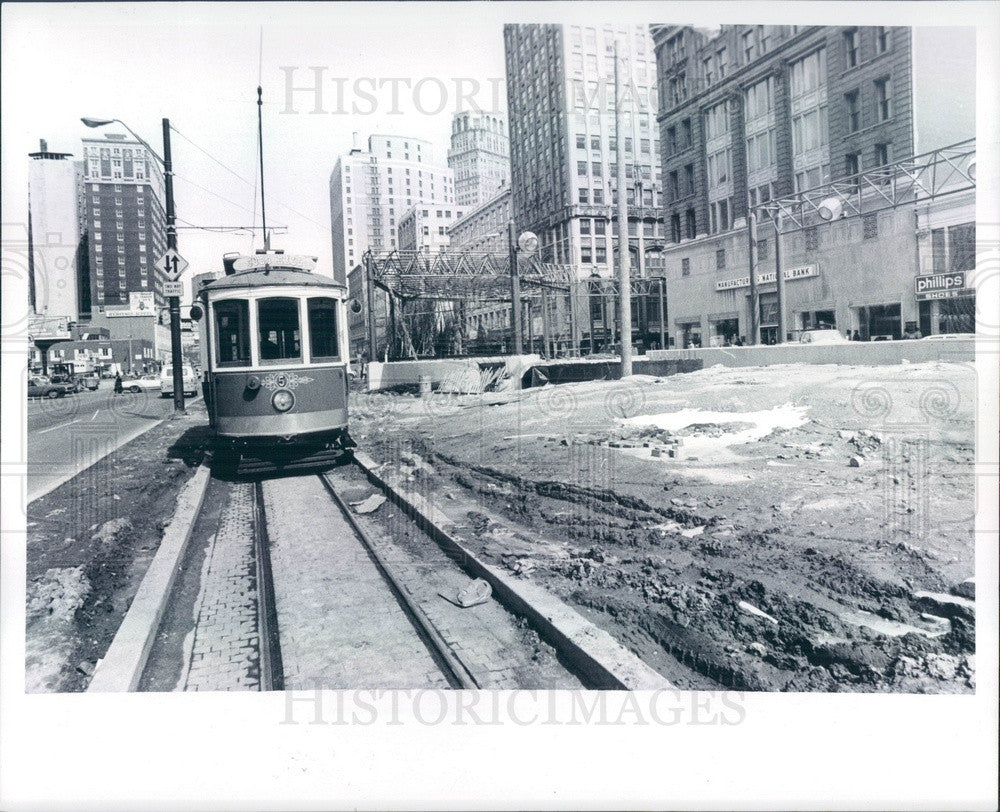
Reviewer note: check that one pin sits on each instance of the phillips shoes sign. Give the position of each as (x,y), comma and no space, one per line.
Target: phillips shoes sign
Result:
(941,285)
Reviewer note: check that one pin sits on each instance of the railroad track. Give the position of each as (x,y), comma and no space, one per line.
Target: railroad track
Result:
(283,585)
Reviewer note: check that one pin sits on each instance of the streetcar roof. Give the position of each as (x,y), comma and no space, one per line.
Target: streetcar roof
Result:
(272,277)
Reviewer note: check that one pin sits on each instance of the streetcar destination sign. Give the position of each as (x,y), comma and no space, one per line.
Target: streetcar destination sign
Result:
(801,272)
(941,286)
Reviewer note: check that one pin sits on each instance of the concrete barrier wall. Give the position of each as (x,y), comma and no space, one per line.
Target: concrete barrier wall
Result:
(453,374)
(855,352)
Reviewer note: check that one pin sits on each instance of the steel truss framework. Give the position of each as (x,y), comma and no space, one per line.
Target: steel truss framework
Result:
(946,171)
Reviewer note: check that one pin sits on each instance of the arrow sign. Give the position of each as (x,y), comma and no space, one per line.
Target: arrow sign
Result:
(172,265)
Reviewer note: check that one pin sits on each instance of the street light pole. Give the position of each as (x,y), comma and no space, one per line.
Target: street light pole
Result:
(515,290)
(174,301)
(779,277)
(624,277)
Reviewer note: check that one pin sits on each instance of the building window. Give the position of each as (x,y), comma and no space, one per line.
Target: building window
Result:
(601,254)
(870,226)
(851,48)
(852,164)
(586,255)
(671,140)
(675,227)
(581,141)
(581,168)
(761,249)
(584,226)
(853,111)
(747,46)
(598,196)
(690,224)
(595,168)
(720,259)
(883,100)
(812,239)
(584,195)
(882,39)
(883,154)
(686,266)
(689,179)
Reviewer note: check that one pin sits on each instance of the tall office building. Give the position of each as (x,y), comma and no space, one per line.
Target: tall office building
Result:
(54,243)
(479,156)
(749,114)
(122,212)
(561,104)
(371,189)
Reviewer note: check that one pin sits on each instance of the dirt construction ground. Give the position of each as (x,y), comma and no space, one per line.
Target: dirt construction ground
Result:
(792,528)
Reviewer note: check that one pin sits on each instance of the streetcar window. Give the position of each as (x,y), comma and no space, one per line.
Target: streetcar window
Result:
(323,329)
(280,339)
(232,333)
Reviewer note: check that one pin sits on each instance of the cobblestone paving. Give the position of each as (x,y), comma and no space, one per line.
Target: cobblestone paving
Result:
(224,648)
(339,623)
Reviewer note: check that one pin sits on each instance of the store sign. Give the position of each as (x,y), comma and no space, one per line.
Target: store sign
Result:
(801,272)
(141,303)
(941,286)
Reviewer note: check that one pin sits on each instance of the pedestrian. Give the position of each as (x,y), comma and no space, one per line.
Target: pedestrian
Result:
(856,336)
(118,384)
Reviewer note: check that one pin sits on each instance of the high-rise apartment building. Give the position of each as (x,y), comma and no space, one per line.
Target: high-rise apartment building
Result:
(371,189)
(563,139)
(54,244)
(749,114)
(122,213)
(479,156)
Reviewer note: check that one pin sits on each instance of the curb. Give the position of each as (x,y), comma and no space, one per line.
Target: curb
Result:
(123,664)
(604,662)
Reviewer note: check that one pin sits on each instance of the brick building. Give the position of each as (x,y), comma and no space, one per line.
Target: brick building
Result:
(750,114)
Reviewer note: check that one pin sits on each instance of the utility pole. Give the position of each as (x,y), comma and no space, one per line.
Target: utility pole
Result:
(515,290)
(779,276)
(174,301)
(624,280)
(754,294)
(370,306)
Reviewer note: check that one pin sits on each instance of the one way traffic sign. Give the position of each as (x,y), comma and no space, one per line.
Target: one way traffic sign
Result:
(172,264)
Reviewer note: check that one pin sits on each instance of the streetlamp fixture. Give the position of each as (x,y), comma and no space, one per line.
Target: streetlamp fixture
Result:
(831,208)
(175,302)
(94,123)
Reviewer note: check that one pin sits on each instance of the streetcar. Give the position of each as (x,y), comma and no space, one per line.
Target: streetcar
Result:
(275,360)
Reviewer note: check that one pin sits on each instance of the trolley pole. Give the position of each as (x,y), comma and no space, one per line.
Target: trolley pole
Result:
(624,276)
(174,301)
(515,290)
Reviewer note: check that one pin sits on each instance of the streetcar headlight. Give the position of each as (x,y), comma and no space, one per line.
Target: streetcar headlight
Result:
(282,400)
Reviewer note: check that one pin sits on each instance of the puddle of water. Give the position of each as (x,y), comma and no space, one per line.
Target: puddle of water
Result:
(717,449)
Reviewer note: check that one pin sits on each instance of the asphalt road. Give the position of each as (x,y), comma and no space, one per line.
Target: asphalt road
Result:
(68,434)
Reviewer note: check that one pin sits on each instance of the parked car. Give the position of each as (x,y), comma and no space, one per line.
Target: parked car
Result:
(39,386)
(822,335)
(190,381)
(146,383)
(92,381)
(950,337)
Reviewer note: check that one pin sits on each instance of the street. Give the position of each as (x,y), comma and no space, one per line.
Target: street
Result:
(67,435)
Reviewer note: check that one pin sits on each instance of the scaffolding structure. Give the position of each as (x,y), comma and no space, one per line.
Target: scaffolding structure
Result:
(439,304)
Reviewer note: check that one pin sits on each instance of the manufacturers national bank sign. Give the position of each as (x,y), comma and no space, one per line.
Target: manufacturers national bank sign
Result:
(942,286)
(801,272)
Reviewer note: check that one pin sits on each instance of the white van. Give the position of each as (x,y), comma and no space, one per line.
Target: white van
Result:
(167,381)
